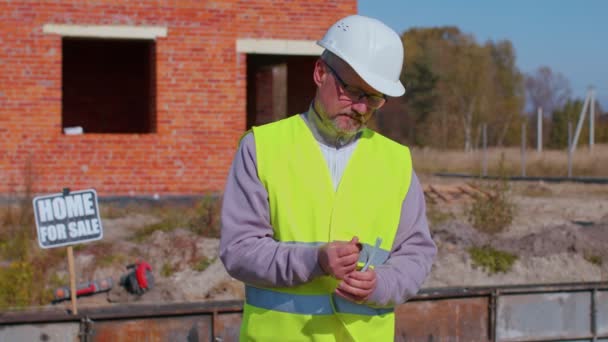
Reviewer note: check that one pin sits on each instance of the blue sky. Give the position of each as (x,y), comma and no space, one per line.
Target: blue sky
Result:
(569,36)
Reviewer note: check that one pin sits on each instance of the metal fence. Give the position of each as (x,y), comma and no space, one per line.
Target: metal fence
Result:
(556,312)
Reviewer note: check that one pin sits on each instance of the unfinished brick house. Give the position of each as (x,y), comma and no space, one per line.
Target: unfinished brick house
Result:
(137,98)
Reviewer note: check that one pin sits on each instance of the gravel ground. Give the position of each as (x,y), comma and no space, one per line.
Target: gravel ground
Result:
(555,230)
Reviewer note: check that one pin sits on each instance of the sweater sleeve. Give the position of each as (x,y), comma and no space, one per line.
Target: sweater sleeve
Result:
(247,247)
(411,256)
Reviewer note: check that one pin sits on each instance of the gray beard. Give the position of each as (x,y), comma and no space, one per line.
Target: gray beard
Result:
(325,131)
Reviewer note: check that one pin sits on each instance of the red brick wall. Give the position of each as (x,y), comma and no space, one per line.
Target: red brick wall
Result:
(200,89)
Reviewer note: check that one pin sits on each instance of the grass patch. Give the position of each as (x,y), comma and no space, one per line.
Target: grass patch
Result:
(103,253)
(436,216)
(166,225)
(202,218)
(56,281)
(491,214)
(202,264)
(25,268)
(15,284)
(109,211)
(116,210)
(206,218)
(594,259)
(111,259)
(493,211)
(491,259)
(24,273)
(167,270)
(18,286)
(550,162)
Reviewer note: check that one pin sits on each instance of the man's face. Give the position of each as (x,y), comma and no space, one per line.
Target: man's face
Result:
(343,98)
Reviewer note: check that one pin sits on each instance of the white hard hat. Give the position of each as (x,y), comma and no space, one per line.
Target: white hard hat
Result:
(371,48)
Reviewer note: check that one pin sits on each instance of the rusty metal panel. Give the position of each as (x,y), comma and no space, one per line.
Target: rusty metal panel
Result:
(561,315)
(227,327)
(177,328)
(601,304)
(54,332)
(458,320)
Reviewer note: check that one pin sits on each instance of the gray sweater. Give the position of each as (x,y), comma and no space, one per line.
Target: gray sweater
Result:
(250,253)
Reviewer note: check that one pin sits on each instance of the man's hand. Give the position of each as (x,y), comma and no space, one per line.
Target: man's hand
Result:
(339,258)
(357,286)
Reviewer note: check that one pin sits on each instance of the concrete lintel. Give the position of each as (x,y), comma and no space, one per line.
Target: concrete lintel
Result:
(278,47)
(106,31)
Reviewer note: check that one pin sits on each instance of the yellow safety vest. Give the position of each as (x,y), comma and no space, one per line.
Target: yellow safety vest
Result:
(305,209)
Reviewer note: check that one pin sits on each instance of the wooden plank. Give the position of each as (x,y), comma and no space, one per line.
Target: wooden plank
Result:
(440,194)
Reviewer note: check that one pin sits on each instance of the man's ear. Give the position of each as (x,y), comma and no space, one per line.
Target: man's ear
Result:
(320,74)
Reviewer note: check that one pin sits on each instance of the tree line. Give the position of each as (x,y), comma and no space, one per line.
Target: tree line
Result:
(454,85)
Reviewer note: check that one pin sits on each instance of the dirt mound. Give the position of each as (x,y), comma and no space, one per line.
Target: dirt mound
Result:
(570,238)
(559,234)
(459,233)
(590,238)
(570,251)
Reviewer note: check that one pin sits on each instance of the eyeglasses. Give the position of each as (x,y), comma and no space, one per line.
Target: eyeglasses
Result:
(354,93)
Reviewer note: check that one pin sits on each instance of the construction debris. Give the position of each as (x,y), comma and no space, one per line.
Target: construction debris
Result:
(447,194)
(84,289)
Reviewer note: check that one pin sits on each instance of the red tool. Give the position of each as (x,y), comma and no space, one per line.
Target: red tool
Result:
(139,279)
(83,289)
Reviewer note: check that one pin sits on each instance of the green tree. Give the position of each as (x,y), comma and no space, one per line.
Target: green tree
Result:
(508,95)
(601,125)
(558,137)
(454,84)
(421,95)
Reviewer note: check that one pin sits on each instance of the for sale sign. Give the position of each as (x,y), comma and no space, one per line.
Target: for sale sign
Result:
(67,218)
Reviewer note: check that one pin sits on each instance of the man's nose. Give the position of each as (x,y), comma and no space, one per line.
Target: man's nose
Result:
(360,106)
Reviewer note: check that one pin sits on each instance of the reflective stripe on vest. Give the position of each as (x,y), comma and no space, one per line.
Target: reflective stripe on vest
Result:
(307,304)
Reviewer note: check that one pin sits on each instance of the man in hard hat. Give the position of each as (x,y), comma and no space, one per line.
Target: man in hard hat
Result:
(323,219)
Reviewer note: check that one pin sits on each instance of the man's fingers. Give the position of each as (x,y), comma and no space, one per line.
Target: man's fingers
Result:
(345,261)
(355,241)
(365,285)
(343,270)
(359,284)
(349,259)
(368,275)
(354,292)
(347,296)
(349,269)
(347,249)
(339,258)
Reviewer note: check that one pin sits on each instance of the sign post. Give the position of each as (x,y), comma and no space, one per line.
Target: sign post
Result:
(66,219)
(72,279)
